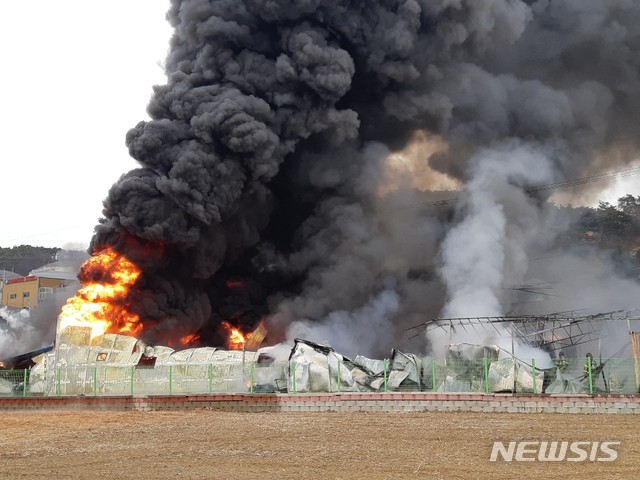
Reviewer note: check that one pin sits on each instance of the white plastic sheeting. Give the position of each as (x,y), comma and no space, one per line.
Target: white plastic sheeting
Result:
(318,368)
(110,364)
(121,365)
(505,374)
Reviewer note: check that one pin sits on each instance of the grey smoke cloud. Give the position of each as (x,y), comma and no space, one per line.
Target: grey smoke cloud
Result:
(352,331)
(272,130)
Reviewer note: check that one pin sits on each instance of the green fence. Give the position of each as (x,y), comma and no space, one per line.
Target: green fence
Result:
(14,383)
(484,375)
(576,375)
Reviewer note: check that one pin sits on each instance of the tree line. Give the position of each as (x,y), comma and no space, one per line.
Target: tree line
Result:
(614,222)
(24,258)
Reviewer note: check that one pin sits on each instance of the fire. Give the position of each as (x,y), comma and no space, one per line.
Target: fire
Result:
(102,301)
(236,339)
(187,339)
(234,284)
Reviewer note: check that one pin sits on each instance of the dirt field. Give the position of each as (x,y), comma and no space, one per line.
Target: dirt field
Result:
(327,446)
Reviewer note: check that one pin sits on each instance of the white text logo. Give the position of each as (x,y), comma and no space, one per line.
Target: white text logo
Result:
(532,451)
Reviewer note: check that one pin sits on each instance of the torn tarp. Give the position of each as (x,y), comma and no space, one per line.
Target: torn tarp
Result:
(508,374)
(318,368)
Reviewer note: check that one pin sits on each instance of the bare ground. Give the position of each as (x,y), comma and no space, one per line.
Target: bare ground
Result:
(327,446)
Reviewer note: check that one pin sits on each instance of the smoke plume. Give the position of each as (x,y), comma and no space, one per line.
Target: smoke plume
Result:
(264,183)
(23,330)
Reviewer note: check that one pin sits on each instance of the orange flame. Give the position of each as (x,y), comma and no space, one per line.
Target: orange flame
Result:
(102,301)
(236,339)
(234,284)
(187,339)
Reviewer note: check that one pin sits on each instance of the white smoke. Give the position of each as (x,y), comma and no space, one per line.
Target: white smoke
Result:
(23,331)
(364,328)
(584,282)
(487,250)
(488,246)
(15,329)
(485,334)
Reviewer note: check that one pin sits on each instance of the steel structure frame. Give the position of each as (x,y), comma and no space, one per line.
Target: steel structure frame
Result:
(552,332)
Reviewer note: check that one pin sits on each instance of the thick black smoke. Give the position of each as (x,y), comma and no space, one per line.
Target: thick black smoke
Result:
(261,169)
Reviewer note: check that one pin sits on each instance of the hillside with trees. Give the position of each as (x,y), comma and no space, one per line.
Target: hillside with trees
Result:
(614,225)
(615,228)
(24,258)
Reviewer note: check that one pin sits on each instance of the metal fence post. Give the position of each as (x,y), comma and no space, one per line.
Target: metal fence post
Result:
(58,382)
(533,373)
(339,380)
(133,369)
(251,376)
(24,383)
(95,381)
(293,376)
(589,372)
(434,384)
(170,379)
(485,373)
(210,377)
(385,374)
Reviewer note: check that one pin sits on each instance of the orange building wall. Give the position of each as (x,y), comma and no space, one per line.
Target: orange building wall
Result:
(26,290)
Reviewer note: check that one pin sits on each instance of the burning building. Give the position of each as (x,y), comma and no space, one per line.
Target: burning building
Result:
(286,172)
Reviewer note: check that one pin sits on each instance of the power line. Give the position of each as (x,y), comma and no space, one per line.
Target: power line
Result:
(586,180)
(558,185)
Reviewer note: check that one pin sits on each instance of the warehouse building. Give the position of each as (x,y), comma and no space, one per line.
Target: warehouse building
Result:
(39,285)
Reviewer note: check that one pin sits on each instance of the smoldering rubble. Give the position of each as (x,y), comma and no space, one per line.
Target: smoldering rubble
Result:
(114,364)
